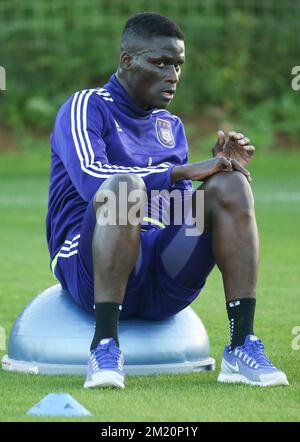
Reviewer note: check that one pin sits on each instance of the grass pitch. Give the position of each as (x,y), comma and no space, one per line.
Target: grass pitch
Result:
(186,397)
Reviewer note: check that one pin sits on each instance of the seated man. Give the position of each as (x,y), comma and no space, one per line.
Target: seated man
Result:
(113,147)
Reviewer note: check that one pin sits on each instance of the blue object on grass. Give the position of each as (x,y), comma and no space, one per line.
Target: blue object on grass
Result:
(53,334)
(58,404)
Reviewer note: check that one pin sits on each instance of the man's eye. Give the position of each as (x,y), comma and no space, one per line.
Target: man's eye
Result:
(161,64)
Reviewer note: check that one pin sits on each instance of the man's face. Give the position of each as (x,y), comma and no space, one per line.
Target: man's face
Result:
(154,72)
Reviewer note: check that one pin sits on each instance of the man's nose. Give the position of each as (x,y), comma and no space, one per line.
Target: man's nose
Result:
(174,75)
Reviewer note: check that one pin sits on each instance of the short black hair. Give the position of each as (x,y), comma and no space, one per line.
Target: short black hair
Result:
(146,25)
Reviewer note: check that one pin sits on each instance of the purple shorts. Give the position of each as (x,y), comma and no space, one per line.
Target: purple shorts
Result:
(162,283)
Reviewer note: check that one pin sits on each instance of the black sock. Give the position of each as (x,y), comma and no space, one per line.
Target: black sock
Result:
(241,316)
(107,317)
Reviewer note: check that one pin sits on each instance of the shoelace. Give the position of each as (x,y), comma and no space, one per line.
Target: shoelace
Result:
(107,356)
(255,351)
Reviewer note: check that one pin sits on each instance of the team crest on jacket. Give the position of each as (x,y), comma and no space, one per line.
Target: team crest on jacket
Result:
(164,133)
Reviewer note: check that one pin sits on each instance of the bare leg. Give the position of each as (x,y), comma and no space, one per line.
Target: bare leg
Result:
(230,217)
(115,247)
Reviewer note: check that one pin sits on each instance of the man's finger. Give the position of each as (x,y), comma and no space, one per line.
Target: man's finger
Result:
(221,138)
(236,166)
(249,148)
(244,141)
(235,135)
(219,146)
(225,163)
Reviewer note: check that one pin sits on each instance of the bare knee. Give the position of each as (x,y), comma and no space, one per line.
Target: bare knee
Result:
(118,185)
(231,191)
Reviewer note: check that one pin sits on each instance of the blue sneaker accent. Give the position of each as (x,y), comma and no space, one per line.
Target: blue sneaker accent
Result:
(105,366)
(248,364)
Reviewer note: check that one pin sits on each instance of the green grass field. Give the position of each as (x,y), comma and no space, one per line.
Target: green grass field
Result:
(189,397)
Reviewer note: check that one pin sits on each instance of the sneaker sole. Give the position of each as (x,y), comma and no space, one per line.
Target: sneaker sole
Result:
(240,379)
(105,379)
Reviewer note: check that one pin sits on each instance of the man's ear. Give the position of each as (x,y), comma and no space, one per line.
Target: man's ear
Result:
(126,60)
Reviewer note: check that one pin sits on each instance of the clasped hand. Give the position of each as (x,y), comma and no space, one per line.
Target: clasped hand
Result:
(231,154)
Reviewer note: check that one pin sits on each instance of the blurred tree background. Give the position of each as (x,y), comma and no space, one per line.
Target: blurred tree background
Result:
(239,54)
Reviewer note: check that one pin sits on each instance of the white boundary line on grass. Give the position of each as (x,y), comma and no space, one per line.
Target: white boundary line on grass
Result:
(278,197)
(24,201)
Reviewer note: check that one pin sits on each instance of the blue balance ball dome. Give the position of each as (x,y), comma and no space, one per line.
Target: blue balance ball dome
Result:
(53,334)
